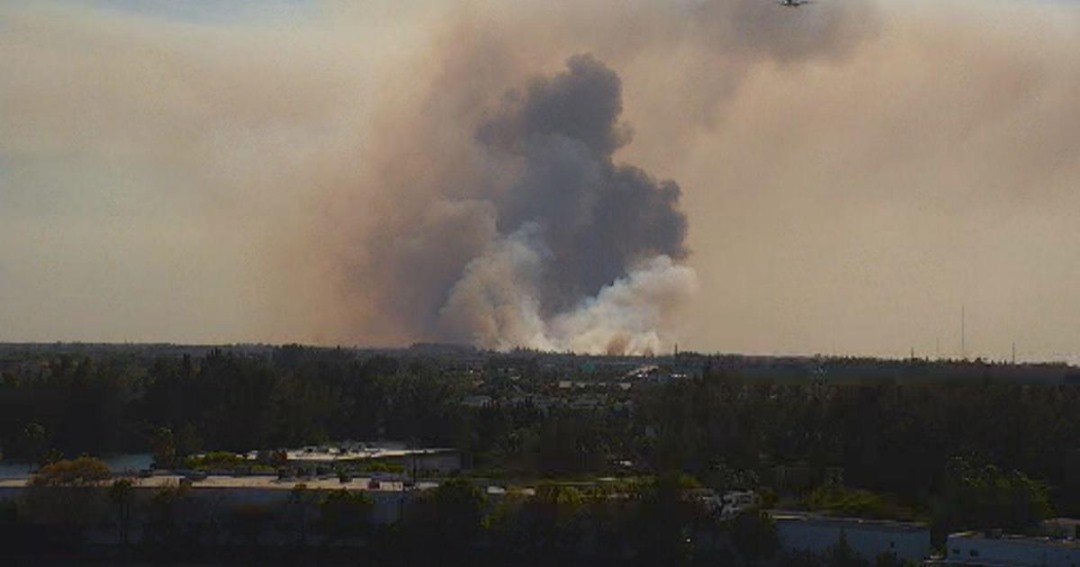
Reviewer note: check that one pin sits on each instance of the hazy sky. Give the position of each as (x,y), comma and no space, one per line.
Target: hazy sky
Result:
(852,172)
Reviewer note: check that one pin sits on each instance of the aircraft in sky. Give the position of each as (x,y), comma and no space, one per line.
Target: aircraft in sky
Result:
(794,3)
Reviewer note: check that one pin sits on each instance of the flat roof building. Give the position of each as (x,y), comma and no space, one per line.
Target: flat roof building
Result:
(993,550)
(868,539)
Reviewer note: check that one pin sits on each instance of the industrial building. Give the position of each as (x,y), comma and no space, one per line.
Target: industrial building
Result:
(868,539)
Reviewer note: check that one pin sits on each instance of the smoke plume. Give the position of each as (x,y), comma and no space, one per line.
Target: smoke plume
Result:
(378,173)
(505,218)
(849,174)
(574,251)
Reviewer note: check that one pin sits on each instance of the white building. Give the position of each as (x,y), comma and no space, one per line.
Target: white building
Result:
(735,502)
(868,539)
(976,548)
(477,401)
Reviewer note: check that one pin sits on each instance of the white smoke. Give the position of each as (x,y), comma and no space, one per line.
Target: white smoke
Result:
(497,299)
(634,315)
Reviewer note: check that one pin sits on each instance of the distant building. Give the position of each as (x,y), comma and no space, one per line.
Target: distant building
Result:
(735,502)
(588,402)
(433,461)
(1061,528)
(992,550)
(346,455)
(477,401)
(210,500)
(868,539)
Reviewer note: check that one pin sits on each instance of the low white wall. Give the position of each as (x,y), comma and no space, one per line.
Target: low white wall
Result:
(1016,552)
(866,539)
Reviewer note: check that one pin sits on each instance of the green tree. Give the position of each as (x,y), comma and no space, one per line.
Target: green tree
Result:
(68,495)
(122,497)
(754,534)
(36,442)
(245,523)
(661,521)
(165,529)
(450,516)
(344,515)
(847,502)
(887,559)
(164,447)
(983,496)
(298,511)
(81,472)
(842,555)
(551,521)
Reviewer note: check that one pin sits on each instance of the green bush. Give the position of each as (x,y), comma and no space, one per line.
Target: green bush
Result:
(839,501)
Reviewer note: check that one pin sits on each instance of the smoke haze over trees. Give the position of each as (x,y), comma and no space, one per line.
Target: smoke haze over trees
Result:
(849,173)
(567,250)
(903,439)
(531,233)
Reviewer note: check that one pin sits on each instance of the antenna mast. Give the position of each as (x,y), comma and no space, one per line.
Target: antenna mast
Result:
(963,334)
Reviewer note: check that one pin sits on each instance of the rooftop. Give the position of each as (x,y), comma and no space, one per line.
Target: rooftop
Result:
(258,482)
(817,519)
(1069,543)
(356,452)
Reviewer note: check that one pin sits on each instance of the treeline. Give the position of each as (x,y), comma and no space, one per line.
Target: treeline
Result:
(74,509)
(891,439)
(222,401)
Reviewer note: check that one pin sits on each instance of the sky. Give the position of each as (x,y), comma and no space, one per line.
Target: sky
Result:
(852,174)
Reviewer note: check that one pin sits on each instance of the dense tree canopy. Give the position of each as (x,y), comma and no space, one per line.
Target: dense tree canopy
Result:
(791,437)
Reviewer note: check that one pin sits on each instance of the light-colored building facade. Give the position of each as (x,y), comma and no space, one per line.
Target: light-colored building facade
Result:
(977,548)
(868,539)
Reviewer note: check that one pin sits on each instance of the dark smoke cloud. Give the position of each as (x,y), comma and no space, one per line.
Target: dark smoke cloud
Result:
(504,217)
(380,172)
(528,249)
(595,219)
(852,171)
(827,30)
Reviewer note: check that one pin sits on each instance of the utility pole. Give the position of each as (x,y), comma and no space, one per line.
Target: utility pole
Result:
(963,334)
